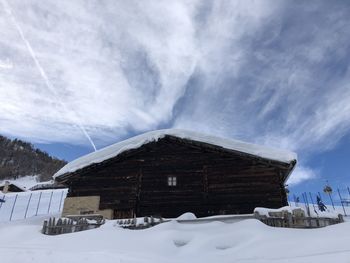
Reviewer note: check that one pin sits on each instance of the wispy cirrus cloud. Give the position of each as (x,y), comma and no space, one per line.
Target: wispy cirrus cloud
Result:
(262,71)
(283,82)
(115,66)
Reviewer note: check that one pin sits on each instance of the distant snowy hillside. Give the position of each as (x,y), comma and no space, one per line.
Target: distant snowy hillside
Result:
(19,158)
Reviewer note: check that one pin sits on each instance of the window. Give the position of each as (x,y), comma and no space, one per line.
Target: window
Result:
(171,180)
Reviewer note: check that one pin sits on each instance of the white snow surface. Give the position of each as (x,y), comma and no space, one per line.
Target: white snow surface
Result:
(172,242)
(137,141)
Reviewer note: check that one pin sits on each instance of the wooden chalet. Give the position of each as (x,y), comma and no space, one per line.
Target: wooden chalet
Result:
(170,172)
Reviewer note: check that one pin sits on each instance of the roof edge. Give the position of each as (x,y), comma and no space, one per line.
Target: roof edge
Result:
(135,142)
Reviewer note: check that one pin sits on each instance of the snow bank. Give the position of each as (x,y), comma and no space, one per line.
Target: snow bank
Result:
(245,241)
(187,216)
(138,141)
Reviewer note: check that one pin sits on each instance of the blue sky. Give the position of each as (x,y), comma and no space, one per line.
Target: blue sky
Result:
(268,72)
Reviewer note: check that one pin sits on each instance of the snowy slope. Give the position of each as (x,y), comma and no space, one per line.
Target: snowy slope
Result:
(245,241)
(137,141)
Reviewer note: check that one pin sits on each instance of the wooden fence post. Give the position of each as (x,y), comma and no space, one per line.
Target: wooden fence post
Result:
(71,230)
(44,230)
(59,226)
(64,226)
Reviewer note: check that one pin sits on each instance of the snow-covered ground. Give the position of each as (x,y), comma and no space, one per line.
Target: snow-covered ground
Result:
(245,241)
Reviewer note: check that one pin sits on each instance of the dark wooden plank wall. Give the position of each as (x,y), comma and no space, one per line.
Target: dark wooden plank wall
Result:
(209,181)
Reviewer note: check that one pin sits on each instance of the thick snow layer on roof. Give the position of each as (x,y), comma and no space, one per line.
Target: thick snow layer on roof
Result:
(137,141)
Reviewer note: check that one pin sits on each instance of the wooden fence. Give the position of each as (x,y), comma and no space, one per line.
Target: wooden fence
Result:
(296,219)
(70,225)
(306,222)
(139,223)
(280,218)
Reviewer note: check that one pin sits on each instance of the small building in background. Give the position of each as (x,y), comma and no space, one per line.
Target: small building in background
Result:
(10,187)
(169,172)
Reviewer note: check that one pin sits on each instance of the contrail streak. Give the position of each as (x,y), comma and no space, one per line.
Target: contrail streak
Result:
(41,70)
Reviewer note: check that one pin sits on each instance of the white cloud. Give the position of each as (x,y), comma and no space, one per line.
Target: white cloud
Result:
(280,79)
(300,174)
(114,65)
(266,72)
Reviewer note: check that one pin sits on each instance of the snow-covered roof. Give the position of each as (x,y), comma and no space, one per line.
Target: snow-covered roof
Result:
(137,141)
(2,184)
